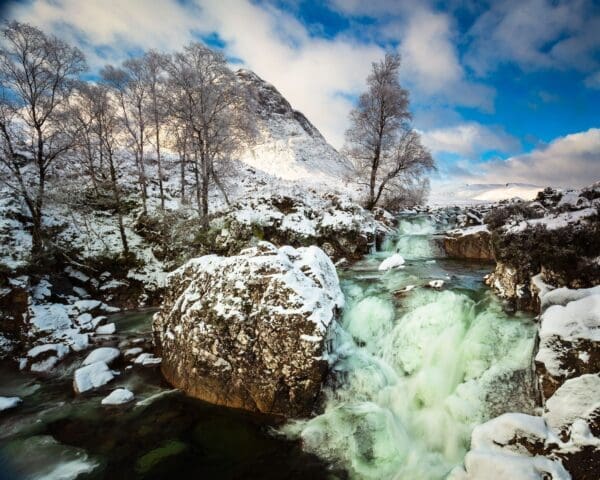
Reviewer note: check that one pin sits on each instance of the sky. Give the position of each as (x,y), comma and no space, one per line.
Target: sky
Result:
(501,91)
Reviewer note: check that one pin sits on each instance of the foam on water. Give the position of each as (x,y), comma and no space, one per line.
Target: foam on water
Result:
(413,382)
(413,238)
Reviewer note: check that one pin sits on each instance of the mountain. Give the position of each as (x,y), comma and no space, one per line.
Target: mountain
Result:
(482,192)
(288,145)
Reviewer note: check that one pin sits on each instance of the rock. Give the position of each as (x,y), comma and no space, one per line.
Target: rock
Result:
(474,243)
(394,261)
(103,354)
(147,360)
(118,397)
(7,403)
(569,341)
(107,329)
(250,331)
(436,283)
(92,376)
(132,352)
(577,398)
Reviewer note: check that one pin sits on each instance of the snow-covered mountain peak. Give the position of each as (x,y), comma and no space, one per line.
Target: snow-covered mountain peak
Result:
(287,144)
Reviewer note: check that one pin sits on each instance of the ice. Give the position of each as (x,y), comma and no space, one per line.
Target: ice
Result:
(413,385)
(394,261)
(147,360)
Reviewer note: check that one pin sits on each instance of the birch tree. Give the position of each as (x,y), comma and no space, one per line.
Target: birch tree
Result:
(386,152)
(37,75)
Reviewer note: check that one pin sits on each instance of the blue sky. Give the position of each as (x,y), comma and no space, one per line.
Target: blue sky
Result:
(502,91)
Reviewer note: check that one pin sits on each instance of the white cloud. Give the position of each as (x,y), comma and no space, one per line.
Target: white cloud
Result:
(432,63)
(310,72)
(535,34)
(468,139)
(572,160)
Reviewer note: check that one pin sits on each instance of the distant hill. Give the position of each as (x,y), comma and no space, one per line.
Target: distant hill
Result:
(482,192)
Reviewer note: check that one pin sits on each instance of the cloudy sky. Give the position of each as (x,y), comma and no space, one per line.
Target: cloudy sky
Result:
(502,91)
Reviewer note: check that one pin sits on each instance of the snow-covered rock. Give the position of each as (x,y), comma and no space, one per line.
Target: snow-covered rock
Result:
(577,398)
(473,243)
(7,403)
(118,397)
(393,261)
(107,329)
(249,331)
(147,360)
(102,354)
(569,340)
(92,376)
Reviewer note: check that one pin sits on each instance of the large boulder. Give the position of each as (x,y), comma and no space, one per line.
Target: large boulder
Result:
(250,331)
(473,243)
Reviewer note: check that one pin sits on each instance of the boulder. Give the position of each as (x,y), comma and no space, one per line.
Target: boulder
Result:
(250,331)
(474,243)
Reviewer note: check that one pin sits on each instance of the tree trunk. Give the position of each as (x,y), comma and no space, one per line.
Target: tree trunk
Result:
(159,164)
(197,178)
(115,186)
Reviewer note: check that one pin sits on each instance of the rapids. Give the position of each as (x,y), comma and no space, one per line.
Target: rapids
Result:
(415,371)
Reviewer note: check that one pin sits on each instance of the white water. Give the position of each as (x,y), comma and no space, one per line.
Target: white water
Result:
(417,373)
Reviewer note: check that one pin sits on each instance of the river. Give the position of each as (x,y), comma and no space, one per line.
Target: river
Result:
(414,370)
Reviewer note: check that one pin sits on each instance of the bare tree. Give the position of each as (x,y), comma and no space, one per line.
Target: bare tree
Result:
(206,98)
(106,127)
(154,76)
(384,149)
(131,89)
(37,74)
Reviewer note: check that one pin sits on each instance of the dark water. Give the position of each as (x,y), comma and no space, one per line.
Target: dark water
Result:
(56,434)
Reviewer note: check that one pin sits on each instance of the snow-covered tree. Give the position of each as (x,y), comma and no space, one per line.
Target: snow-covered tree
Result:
(386,152)
(37,75)
(130,86)
(205,97)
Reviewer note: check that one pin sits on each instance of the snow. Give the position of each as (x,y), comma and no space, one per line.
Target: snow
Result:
(579,319)
(469,230)
(50,317)
(576,398)
(306,272)
(394,261)
(553,221)
(131,352)
(436,283)
(7,403)
(103,354)
(147,360)
(59,350)
(87,305)
(472,194)
(118,397)
(92,376)
(107,329)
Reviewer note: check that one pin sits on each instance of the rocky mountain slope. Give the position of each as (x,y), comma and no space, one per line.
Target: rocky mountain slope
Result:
(288,145)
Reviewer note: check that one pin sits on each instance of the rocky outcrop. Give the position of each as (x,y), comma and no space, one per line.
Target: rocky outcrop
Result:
(474,243)
(557,235)
(339,226)
(250,331)
(569,337)
(564,442)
